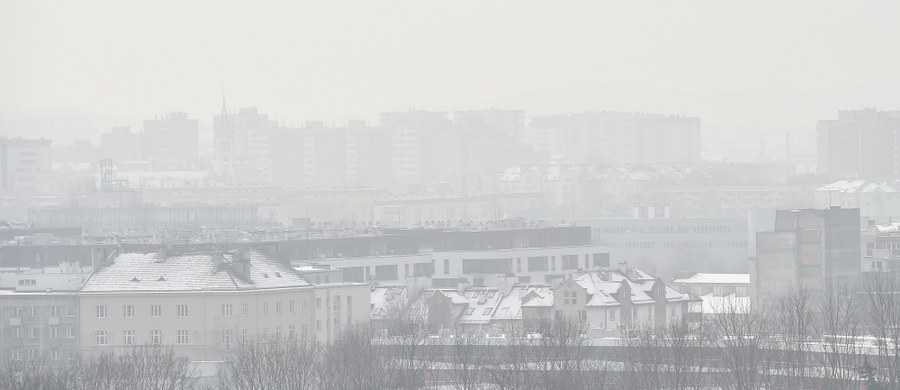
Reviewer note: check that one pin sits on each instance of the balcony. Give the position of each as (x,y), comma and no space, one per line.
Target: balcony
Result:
(53,321)
(15,321)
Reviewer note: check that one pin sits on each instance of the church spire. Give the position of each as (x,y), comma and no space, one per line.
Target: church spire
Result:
(224,107)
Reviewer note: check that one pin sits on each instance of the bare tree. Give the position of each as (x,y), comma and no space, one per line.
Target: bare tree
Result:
(270,362)
(465,361)
(882,298)
(838,325)
(793,322)
(353,362)
(738,337)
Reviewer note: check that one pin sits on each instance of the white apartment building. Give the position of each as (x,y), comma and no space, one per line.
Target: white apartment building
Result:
(203,304)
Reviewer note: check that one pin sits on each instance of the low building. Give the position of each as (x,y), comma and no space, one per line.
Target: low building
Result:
(717,293)
(204,303)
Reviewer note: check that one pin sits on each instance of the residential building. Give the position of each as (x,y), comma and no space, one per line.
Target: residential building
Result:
(24,164)
(664,246)
(243,143)
(615,138)
(120,144)
(877,201)
(172,137)
(811,249)
(39,316)
(719,294)
(201,304)
(881,248)
(860,143)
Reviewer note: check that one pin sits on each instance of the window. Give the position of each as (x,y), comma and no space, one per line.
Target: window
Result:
(155,311)
(70,333)
(303,306)
(33,311)
(128,311)
(101,311)
(54,354)
(336,308)
(612,314)
(182,336)
(318,324)
(487,311)
(304,330)
(102,337)
(278,332)
(129,337)
(226,337)
(446,266)
(278,307)
(318,303)
(243,335)
(33,332)
(226,310)
(15,354)
(469,311)
(291,331)
(54,332)
(54,311)
(71,310)
(265,308)
(155,337)
(244,310)
(349,309)
(182,310)
(291,307)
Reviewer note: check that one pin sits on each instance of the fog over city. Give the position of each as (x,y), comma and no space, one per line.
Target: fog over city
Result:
(449,195)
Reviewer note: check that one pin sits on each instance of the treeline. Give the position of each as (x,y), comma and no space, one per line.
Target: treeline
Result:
(842,339)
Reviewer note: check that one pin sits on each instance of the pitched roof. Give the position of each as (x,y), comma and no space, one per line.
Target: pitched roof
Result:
(134,272)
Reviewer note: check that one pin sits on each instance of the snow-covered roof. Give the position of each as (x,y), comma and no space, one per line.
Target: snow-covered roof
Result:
(850,186)
(704,278)
(135,272)
(731,303)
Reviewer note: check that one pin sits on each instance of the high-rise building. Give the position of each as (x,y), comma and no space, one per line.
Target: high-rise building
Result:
(23,163)
(616,138)
(810,249)
(171,137)
(120,144)
(243,146)
(422,145)
(860,143)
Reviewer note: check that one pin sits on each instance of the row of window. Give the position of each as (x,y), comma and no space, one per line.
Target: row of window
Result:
(673,244)
(34,354)
(128,337)
(128,311)
(35,311)
(34,332)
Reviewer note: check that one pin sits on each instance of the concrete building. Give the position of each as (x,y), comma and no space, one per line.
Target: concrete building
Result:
(173,137)
(24,163)
(422,145)
(881,248)
(120,144)
(860,143)
(878,202)
(717,293)
(810,249)
(203,304)
(615,138)
(607,300)
(664,246)
(243,143)
(39,315)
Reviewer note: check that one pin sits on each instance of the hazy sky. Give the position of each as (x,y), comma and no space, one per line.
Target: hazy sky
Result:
(761,66)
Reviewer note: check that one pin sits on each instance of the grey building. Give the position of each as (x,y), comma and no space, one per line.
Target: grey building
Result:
(171,137)
(810,249)
(665,246)
(860,143)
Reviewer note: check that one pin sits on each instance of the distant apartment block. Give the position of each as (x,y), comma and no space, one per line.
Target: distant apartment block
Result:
(616,138)
(878,202)
(24,163)
(243,143)
(860,143)
(171,137)
(121,144)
